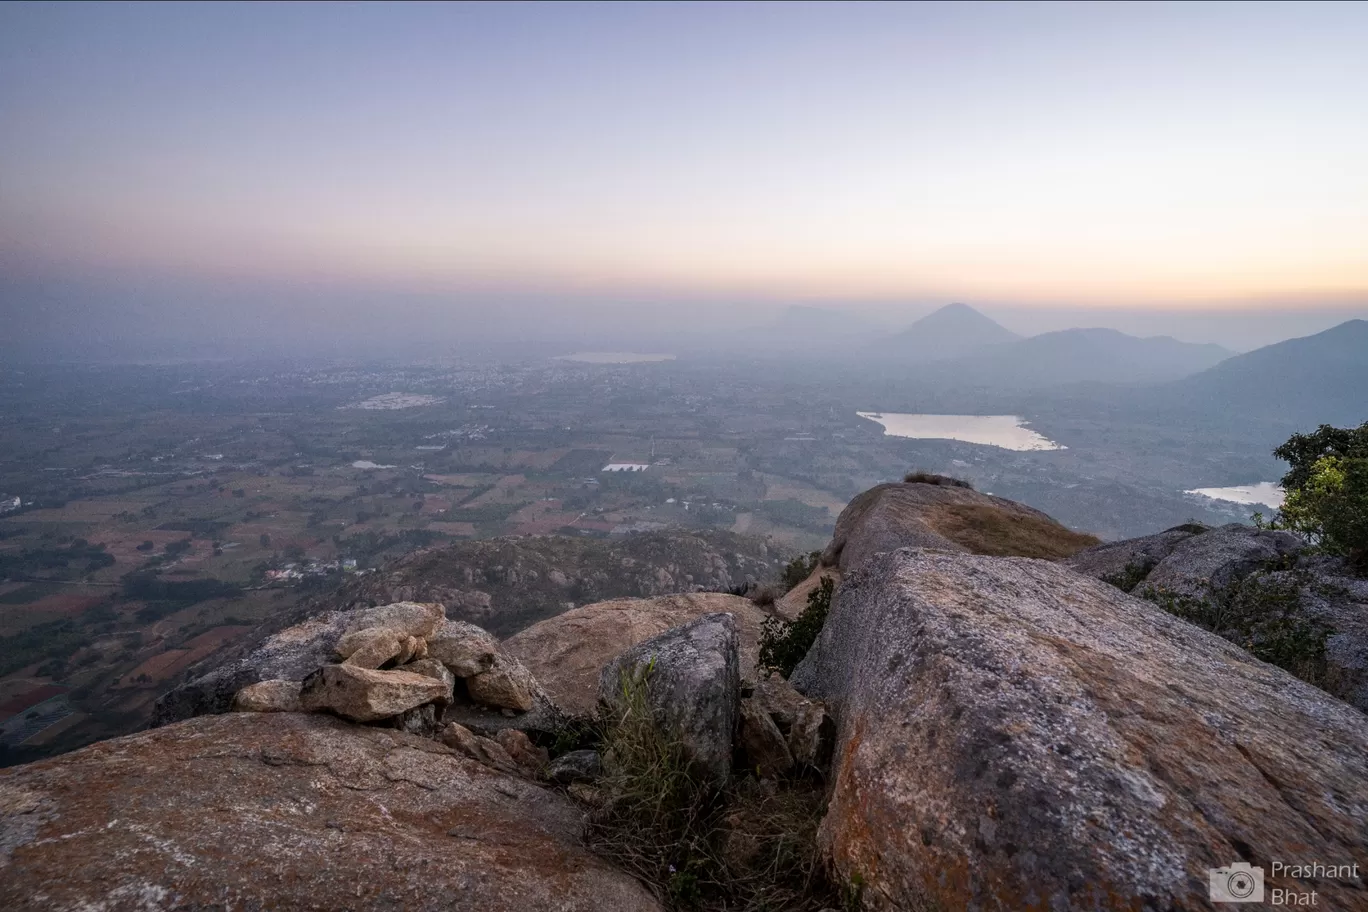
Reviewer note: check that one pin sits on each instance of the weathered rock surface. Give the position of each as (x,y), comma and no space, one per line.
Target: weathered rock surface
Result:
(288,654)
(766,752)
(567,653)
(268,696)
(692,685)
(1199,566)
(368,695)
(1219,557)
(1133,555)
(807,729)
(890,516)
(575,766)
(291,811)
(464,648)
(506,685)
(1339,599)
(372,647)
(1013,735)
(432,668)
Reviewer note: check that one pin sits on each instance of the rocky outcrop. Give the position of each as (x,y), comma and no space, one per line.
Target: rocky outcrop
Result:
(1317,592)
(567,653)
(289,654)
(291,811)
(1131,558)
(504,585)
(689,679)
(1218,558)
(1013,735)
(946,518)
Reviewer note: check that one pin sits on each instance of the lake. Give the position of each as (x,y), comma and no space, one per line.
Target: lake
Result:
(1006,431)
(1264,493)
(613,357)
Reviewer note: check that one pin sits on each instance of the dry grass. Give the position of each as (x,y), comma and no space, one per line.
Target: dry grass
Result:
(931,478)
(750,846)
(994,532)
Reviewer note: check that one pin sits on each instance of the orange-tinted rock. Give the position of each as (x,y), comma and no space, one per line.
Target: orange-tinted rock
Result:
(567,653)
(1016,736)
(291,811)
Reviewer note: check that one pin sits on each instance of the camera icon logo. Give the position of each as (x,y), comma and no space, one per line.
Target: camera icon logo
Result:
(1236,883)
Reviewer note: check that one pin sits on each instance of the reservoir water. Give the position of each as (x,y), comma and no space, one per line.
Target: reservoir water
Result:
(1007,431)
(1264,493)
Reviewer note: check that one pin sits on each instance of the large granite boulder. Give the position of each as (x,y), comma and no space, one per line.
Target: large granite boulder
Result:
(290,654)
(691,681)
(947,518)
(291,811)
(567,653)
(1014,735)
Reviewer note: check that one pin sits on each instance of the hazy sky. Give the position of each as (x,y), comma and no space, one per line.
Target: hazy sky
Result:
(1111,156)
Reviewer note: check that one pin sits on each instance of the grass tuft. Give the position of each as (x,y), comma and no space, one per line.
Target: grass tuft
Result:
(749,846)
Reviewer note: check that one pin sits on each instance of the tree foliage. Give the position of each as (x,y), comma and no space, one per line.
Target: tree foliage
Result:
(1327,490)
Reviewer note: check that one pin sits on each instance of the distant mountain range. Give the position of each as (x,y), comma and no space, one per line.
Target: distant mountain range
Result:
(1325,376)
(959,345)
(1087,356)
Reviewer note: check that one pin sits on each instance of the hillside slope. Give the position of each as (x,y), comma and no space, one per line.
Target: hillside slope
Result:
(1320,379)
(1085,356)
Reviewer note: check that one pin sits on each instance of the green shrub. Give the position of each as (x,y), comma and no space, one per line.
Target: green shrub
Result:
(1327,491)
(1263,614)
(1131,576)
(799,569)
(783,644)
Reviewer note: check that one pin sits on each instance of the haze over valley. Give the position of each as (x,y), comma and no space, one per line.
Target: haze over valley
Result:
(618,442)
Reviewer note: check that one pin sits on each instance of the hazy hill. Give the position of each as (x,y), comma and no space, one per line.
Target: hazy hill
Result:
(1320,379)
(951,332)
(1083,356)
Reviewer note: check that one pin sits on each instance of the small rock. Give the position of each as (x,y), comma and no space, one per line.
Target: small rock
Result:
(431,668)
(367,695)
(482,750)
(766,752)
(586,793)
(372,647)
(464,648)
(506,685)
(812,735)
(779,699)
(531,759)
(575,766)
(268,696)
(421,720)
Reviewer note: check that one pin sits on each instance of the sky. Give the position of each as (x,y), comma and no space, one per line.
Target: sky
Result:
(240,170)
